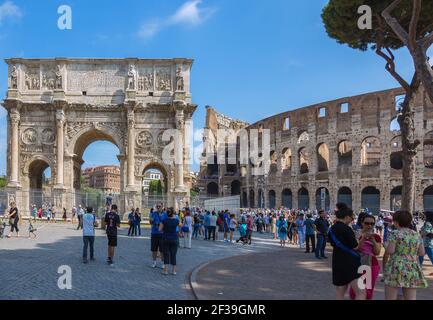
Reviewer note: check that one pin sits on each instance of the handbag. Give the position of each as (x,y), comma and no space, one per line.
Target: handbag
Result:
(185,228)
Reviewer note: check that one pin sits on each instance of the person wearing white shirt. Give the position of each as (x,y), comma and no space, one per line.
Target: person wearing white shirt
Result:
(88,222)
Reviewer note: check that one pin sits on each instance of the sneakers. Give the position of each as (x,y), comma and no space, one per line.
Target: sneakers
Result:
(85,260)
(110,261)
(154,264)
(165,273)
(174,273)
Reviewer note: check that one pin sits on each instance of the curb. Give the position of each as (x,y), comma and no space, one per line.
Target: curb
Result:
(193,277)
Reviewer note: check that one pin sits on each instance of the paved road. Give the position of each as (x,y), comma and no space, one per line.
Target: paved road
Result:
(285,274)
(28,268)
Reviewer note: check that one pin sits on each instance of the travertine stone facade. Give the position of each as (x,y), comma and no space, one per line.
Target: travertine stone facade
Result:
(345,150)
(57,107)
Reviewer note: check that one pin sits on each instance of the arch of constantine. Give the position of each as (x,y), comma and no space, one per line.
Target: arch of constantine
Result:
(57,107)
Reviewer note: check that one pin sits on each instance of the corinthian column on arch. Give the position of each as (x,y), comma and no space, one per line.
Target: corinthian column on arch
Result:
(14,120)
(131,150)
(60,124)
(179,148)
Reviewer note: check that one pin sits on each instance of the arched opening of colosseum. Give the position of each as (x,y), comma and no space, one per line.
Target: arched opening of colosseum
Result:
(235,188)
(40,183)
(396,157)
(322,157)
(395,199)
(212,166)
(252,199)
(231,164)
(345,196)
(286,159)
(244,200)
(394,125)
(273,158)
(428,150)
(428,198)
(212,189)
(345,153)
(272,199)
(155,184)
(304,160)
(303,137)
(370,198)
(322,199)
(286,198)
(370,152)
(303,199)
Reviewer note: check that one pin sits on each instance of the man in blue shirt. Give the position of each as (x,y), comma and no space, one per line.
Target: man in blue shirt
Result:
(226,223)
(309,234)
(206,224)
(156,243)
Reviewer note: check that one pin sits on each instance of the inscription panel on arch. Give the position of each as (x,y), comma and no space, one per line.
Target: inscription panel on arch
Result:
(97,78)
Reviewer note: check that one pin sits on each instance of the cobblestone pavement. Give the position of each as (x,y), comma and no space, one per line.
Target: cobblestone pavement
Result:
(285,274)
(28,268)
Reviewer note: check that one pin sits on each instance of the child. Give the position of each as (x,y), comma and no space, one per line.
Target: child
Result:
(31,230)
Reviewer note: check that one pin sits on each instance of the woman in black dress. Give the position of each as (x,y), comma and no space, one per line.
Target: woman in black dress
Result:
(14,218)
(345,260)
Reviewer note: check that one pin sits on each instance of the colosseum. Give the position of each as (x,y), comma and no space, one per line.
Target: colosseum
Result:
(346,150)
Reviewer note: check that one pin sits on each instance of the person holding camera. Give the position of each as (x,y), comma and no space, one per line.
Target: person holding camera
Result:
(369,247)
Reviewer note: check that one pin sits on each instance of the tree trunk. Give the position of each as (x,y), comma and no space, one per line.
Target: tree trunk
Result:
(409,146)
(423,68)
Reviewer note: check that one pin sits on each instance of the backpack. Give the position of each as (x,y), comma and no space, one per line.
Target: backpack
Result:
(283,228)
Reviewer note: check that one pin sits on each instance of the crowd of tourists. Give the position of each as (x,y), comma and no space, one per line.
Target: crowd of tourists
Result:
(358,240)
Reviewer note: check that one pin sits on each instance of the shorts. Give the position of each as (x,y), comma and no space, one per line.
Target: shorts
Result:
(226,228)
(232,229)
(156,243)
(112,241)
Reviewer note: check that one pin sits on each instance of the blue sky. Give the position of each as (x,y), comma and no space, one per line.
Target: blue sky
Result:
(253,58)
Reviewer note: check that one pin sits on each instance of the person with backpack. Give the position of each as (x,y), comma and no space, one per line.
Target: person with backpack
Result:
(112,221)
(169,229)
(89,222)
(282,230)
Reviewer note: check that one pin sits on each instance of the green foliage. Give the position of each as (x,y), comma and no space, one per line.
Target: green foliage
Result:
(340,18)
(92,191)
(155,187)
(3,182)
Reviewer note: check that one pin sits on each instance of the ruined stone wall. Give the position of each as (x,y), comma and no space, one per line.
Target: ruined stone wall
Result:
(348,144)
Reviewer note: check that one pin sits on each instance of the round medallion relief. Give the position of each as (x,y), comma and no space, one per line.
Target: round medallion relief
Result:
(30,136)
(144,139)
(48,136)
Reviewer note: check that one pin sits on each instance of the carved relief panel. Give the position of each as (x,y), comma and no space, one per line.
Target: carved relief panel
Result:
(145,79)
(163,79)
(32,79)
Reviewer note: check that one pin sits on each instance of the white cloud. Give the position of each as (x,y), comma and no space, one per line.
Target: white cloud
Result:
(188,14)
(9,10)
